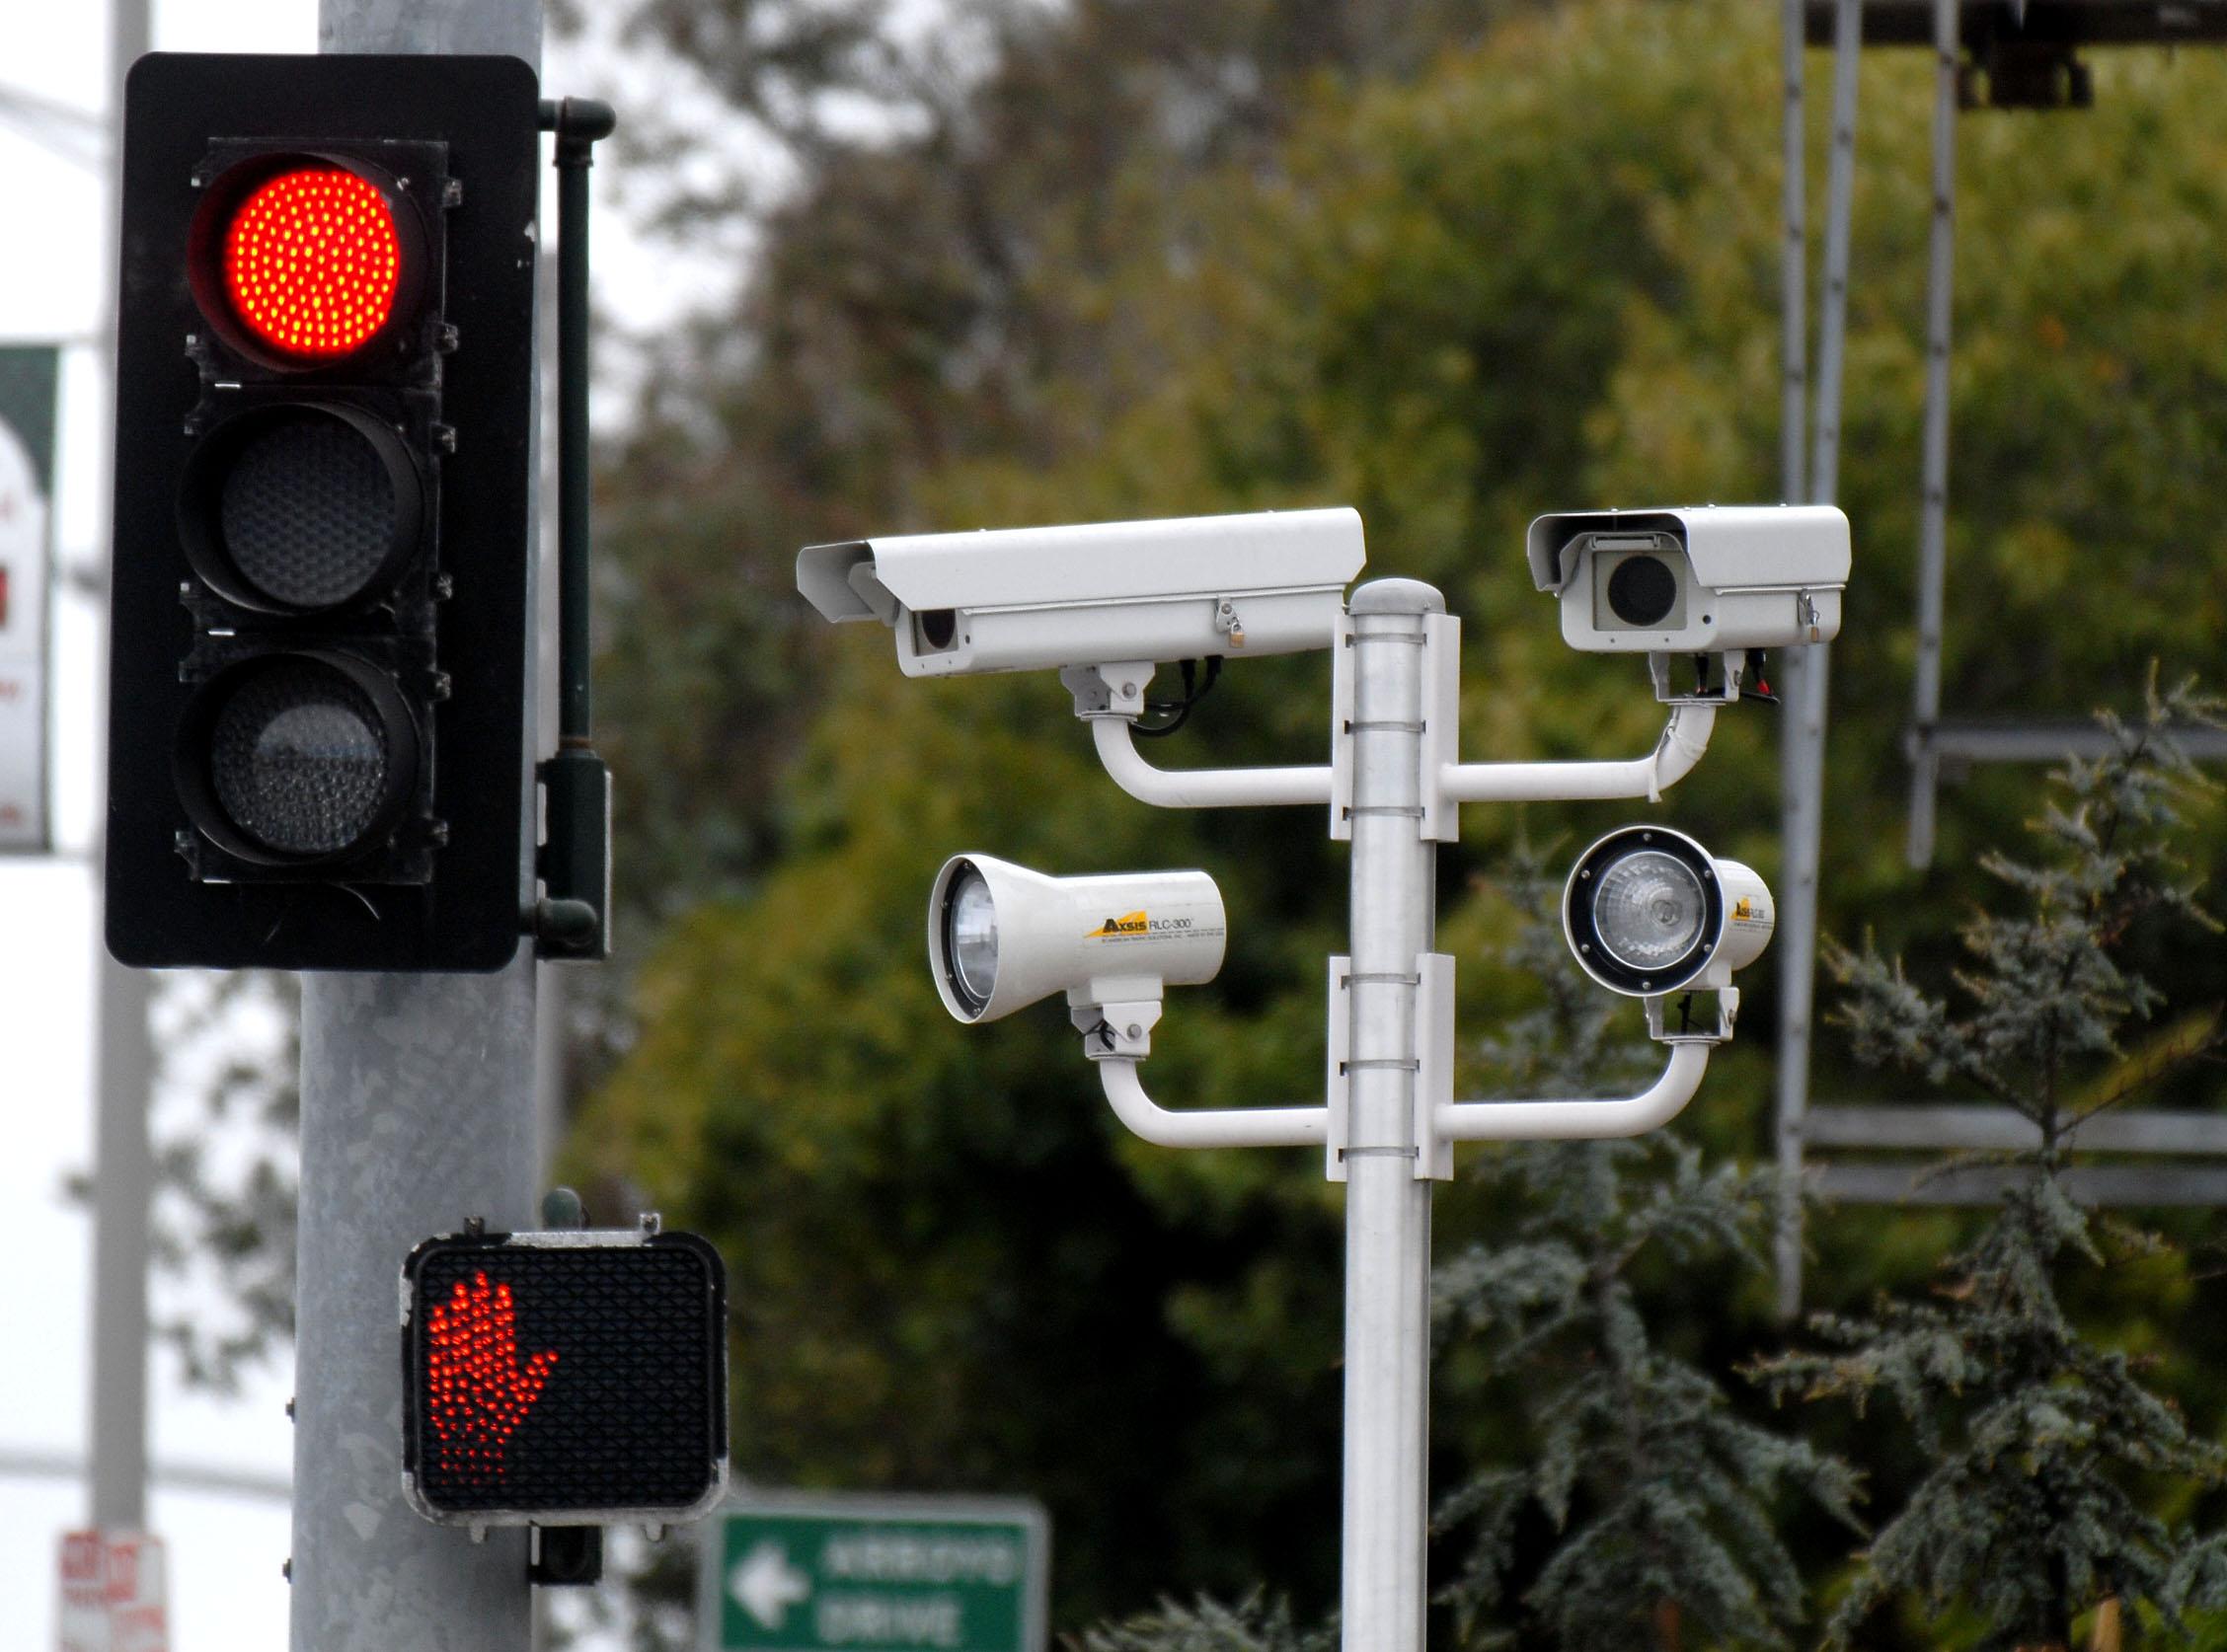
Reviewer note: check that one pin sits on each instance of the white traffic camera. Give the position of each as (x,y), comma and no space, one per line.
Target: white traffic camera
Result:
(1708,580)
(1017,599)
(1001,937)
(1648,912)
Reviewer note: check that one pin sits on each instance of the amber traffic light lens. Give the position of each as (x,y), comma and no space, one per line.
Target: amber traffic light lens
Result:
(312,260)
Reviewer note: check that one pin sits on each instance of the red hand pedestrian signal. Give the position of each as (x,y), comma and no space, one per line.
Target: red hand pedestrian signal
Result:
(477,1392)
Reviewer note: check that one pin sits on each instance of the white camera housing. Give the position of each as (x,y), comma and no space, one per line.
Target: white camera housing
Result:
(1705,579)
(1119,939)
(1734,922)
(1019,599)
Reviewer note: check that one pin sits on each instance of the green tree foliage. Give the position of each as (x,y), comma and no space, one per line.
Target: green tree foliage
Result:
(2038,1440)
(1664,1504)
(1250,1626)
(1534,270)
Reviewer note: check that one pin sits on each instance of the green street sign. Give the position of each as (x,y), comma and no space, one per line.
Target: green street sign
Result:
(829,1572)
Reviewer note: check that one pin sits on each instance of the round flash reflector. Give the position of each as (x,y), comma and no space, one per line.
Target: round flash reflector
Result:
(970,936)
(312,260)
(1649,911)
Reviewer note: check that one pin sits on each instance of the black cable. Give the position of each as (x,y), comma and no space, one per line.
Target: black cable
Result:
(1760,691)
(1178,712)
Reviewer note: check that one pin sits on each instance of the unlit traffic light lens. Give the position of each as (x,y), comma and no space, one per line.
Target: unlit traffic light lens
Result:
(312,260)
(1649,910)
(308,510)
(299,758)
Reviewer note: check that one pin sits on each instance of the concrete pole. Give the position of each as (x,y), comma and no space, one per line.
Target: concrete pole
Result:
(123,1057)
(1803,770)
(1933,529)
(1386,1206)
(418,1110)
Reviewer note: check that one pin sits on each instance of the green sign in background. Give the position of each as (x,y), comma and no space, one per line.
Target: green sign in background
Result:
(872,1574)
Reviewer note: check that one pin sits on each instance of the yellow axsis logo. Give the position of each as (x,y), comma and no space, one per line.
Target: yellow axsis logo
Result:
(1743,910)
(1134,922)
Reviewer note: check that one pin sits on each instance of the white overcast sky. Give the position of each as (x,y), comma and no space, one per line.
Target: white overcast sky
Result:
(227,1594)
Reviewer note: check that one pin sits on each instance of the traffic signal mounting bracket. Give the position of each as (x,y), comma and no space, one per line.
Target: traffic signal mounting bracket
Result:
(573,918)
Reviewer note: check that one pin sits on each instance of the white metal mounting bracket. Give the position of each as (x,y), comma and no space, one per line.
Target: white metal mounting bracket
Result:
(1725,692)
(1116,689)
(1342,731)
(1716,1032)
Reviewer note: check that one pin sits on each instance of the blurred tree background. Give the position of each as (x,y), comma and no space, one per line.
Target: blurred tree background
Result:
(1453,263)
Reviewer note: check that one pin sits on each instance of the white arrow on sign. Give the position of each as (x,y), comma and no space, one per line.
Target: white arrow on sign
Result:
(767,1585)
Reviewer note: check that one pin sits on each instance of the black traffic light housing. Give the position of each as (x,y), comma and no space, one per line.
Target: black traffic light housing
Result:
(563,1378)
(324,439)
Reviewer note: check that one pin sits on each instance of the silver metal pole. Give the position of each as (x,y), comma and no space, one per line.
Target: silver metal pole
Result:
(1794,270)
(417,1111)
(1933,529)
(124,1171)
(1386,1206)
(1793,429)
(1805,727)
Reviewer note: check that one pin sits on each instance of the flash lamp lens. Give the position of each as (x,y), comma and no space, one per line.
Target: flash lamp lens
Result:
(1649,910)
(970,937)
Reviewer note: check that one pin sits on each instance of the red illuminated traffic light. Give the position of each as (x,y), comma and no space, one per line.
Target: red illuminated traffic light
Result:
(324,422)
(564,1379)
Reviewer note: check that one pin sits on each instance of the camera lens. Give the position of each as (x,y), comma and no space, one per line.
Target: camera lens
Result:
(1641,590)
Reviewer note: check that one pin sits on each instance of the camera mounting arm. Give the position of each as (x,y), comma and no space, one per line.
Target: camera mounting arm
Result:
(1685,736)
(1578,1120)
(1111,699)
(1218,1127)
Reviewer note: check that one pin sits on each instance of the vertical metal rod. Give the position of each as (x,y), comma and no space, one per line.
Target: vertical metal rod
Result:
(123,1059)
(1933,528)
(417,1111)
(1386,1206)
(579,124)
(1793,429)
(1805,727)
(1793,271)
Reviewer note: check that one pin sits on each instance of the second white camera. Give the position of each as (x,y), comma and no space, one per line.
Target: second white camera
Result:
(1706,579)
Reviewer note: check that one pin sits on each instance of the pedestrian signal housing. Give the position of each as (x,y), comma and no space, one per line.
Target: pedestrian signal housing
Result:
(563,1378)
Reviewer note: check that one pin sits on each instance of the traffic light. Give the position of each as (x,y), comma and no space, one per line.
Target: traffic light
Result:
(324,434)
(563,1378)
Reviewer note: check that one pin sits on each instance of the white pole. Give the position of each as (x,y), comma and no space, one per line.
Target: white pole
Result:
(1387,1205)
